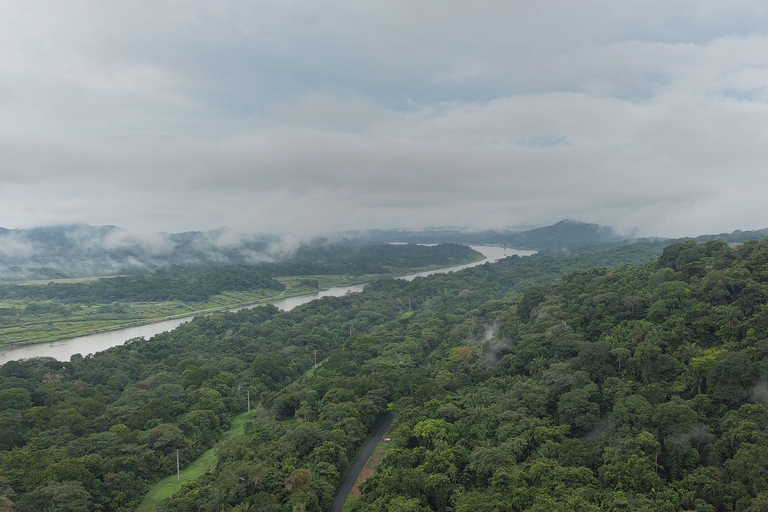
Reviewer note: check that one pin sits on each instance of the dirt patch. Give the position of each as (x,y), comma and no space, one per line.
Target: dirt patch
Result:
(368,469)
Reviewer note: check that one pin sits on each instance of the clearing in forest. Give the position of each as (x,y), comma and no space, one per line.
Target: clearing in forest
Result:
(168,486)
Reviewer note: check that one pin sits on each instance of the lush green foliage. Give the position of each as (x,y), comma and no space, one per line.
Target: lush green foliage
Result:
(635,388)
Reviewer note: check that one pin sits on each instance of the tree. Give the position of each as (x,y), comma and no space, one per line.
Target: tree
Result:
(729,379)
(403,504)
(15,398)
(577,410)
(750,467)
(58,497)
(434,432)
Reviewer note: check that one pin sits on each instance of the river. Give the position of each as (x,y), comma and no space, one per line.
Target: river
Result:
(64,349)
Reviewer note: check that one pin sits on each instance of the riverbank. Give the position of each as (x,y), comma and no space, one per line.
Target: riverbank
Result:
(154,313)
(65,347)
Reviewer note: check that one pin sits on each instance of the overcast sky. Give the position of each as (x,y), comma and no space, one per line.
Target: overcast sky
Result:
(307,116)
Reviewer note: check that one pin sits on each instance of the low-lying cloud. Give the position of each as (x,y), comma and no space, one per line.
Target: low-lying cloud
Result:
(82,250)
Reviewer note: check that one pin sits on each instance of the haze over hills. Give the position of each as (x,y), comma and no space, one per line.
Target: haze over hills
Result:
(81,250)
(565,235)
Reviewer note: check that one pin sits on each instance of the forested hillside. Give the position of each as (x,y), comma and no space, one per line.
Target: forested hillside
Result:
(197,283)
(80,250)
(564,235)
(635,387)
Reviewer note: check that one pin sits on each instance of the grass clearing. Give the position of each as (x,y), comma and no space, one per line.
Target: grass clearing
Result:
(171,484)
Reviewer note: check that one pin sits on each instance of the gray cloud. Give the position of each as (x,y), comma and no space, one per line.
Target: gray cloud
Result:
(324,116)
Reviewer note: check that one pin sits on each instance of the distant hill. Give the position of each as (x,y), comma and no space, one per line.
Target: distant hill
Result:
(737,236)
(80,250)
(565,235)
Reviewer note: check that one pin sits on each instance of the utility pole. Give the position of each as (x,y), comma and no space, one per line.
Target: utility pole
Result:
(178,469)
(315,358)
(248,393)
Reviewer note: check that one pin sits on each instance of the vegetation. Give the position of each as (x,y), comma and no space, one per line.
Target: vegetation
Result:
(637,387)
(56,309)
(205,462)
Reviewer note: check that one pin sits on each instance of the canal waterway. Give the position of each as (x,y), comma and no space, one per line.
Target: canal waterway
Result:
(62,350)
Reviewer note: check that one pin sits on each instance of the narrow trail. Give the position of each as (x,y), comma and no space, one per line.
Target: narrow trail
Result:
(348,481)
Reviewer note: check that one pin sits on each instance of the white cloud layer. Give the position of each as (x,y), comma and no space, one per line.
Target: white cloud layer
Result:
(269,116)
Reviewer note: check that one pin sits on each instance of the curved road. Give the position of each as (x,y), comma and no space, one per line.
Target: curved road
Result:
(349,479)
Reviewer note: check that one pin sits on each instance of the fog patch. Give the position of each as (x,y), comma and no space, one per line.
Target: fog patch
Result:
(153,243)
(286,245)
(15,247)
(759,392)
(491,347)
(695,435)
(594,435)
(85,251)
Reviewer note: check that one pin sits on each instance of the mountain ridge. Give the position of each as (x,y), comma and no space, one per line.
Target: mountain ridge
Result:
(82,250)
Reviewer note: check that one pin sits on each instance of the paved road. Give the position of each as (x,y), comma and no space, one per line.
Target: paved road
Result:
(349,479)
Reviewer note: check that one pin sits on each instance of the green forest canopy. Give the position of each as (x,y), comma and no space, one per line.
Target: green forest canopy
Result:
(630,387)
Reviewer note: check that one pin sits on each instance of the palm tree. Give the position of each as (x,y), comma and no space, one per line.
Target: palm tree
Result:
(688,351)
(694,377)
(643,329)
(246,506)
(730,314)
(537,366)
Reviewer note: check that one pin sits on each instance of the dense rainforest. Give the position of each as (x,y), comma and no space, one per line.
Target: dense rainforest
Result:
(621,385)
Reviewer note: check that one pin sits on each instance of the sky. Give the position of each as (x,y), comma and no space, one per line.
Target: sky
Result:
(308,117)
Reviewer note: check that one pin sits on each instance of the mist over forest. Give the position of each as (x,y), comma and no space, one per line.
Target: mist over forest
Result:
(81,250)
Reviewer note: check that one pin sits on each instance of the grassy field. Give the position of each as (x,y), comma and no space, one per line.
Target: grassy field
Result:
(166,487)
(19,325)
(22,323)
